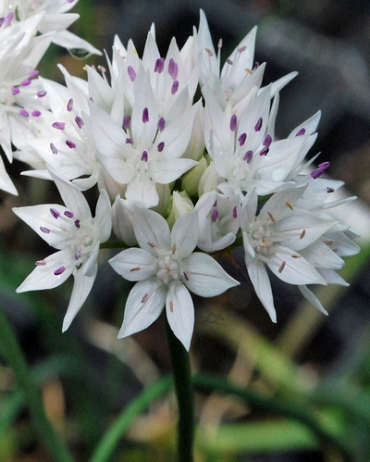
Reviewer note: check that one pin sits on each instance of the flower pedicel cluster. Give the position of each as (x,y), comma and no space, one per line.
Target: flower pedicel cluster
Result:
(178,179)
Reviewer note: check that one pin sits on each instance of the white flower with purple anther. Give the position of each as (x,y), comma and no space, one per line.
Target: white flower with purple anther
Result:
(146,150)
(280,237)
(76,234)
(218,221)
(244,152)
(166,269)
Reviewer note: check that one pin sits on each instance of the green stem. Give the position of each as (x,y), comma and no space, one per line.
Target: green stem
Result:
(107,445)
(12,353)
(185,396)
(208,382)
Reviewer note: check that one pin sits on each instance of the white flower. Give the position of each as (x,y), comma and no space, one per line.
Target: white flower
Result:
(166,269)
(76,234)
(283,238)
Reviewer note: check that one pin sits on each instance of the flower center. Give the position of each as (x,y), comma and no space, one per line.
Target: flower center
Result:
(167,269)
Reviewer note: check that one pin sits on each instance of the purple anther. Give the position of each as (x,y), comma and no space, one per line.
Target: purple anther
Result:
(145,117)
(40,263)
(55,213)
(69,214)
(185,276)
(242,139)
(161,124)
(128,141)
(35,113)
(41,93)
(78,254)
(329,190)
(126,122)
(15,91)
(175,87)
(131,73)
(2,21)
(8,18)
(233,122)
(256,65)
(70,105)
(44,230)
(248,156)
(70,1)
(300,132)
(229,61)
(320,170)
(144,156)
(173,69)
(78,223)
(23,113)
(160,146)
(159,65)
(54,150)
(235,212)
(324,165)
(241,49)
(59,125)
(79,122)
(267,141)
(33,74)
(70,144)
(26,82)
(59,271)
(258,125)
(264,151)
(214,216)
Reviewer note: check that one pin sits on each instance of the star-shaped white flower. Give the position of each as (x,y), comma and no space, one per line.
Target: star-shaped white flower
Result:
(76,234)
(166,269)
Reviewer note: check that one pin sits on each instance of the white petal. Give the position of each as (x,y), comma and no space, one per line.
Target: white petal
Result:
(185,234)
(103,216)
(142,190)
(180,312)
(151,230)
(81,289)
(170,170)
(204,276)
(144,305)
(261,283)
(312,299)
(134,264)
(43,277)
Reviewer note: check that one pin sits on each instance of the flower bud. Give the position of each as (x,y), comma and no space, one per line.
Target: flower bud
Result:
(180,204)
(190,179)
(122,218)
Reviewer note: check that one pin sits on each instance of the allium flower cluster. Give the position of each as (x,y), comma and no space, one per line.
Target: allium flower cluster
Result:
(180,181)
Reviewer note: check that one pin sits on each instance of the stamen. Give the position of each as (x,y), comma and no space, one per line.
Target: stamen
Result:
(174,247)
(128,141)
(152,245)
(214,216)
(70,105)
(70,144)
(288,204)
(233,122)
(241,49)
(79,122)
(78,255)
(78,223)
(235,212)
(8,18)
(161,124)
(131,73)
(267,141)
(210,52)
(175,87)
(160,146)
(330,190)
(41,93)
(136,268)
(264,151)
(69,214)
(35,113)
(171,306)
(159,65)
(26,82)
(126,122)
(40,263)
(303,233)
(55,213)
(300,132)
(59,271)
(15,91)
(320,170)
(33,74)
(145,298)
(173,69)
(258,125)
(281,267)
(54,150)
(229,61)
(219,44)
(248,156)
(145,117)
(242,139)
(24,113)
(271,217)
(44,230)
(185,276)
(256,65)
(144,156)
(59,125)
